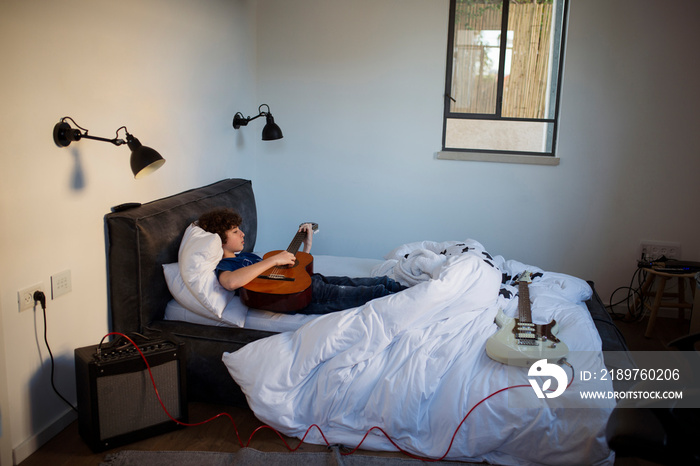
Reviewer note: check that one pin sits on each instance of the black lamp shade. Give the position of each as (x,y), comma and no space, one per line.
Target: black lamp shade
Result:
(144,160)
(271,131)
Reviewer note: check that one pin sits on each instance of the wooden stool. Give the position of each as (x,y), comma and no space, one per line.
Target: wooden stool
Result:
(660,293)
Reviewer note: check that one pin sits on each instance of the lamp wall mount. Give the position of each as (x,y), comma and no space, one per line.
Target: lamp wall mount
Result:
(270,131)
(144,160)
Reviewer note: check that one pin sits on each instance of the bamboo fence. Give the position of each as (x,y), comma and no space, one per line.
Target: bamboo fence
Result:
(474,79)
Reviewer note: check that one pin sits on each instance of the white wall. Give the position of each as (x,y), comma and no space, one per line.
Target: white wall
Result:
(358,89)
(174,72)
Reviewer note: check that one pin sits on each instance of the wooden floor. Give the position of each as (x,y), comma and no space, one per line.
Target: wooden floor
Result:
(220,434)
(67,448)
(666,329)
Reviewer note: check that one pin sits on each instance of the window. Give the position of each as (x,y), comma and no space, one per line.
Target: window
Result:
(504,65)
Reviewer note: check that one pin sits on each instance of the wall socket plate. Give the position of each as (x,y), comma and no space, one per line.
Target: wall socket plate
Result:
(653,250)
(61,284)
(25,296)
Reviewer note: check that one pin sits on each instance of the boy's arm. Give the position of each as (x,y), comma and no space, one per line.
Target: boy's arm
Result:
(234,279)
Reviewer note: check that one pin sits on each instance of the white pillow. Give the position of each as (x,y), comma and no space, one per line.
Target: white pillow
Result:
(200,252)
(234,313)
(180,292)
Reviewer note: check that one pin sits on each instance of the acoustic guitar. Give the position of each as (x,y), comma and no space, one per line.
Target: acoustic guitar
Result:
(283,288)
(520,342)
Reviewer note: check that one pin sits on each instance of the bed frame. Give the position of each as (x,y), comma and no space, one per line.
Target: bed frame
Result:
(141,238)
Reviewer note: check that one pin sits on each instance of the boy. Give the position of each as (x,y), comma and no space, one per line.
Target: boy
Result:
(328,294)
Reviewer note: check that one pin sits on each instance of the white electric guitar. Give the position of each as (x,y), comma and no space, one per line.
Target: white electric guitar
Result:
(519,342)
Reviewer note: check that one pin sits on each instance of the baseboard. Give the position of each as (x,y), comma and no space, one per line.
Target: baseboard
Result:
(33,443)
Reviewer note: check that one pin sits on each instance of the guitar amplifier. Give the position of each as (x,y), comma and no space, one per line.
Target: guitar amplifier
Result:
(117,403)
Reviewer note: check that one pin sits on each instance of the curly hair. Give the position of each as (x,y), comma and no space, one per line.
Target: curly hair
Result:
(219,221)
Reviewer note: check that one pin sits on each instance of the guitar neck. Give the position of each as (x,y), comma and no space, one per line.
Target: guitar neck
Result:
(296,242)
(524,313)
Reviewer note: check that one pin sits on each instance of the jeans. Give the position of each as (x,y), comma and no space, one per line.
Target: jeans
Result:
(330,294)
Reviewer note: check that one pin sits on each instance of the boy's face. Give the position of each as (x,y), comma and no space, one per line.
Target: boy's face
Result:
(234,240)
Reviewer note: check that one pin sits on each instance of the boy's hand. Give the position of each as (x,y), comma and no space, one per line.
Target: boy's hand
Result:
(309,236)
(284,258)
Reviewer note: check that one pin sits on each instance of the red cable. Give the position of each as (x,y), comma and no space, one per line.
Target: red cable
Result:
(250,439)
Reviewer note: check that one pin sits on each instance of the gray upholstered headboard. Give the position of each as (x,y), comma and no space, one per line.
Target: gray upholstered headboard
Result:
(141,239)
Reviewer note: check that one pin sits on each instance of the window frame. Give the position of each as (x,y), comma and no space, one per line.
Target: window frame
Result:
(498,155)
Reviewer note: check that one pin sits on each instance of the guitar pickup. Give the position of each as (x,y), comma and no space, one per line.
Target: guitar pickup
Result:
(277,277)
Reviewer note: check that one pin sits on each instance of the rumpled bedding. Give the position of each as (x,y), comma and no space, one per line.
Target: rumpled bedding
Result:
(414,364)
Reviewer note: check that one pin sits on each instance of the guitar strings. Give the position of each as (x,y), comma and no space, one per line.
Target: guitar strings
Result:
(276,271)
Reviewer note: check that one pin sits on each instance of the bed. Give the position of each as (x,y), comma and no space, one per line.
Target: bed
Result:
(412,363)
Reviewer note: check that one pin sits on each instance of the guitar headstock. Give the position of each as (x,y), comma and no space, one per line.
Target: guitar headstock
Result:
(525,277)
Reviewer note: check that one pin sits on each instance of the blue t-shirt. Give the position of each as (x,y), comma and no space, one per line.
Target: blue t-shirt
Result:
(242,259)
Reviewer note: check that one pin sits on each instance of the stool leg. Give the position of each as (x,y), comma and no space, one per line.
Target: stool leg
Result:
(655,306)
(681,298)
(695,310)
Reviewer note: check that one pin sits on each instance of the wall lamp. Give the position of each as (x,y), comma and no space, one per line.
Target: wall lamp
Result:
(144,160)
(269,133)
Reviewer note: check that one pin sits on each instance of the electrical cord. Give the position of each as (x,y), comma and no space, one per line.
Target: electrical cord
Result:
(266,427)
(640,275)
(40,298)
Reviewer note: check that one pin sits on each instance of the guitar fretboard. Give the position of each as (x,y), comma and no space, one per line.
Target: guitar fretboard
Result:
(525,330)
(296,242)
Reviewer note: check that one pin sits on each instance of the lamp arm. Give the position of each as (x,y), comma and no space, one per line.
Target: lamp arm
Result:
(256,116)
(115,141)
(63,134)
(239,120)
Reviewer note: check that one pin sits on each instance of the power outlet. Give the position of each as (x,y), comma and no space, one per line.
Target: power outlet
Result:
(25,297)
(653,250)
(61,284)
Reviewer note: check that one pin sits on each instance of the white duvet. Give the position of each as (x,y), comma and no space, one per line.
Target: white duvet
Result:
(414,364)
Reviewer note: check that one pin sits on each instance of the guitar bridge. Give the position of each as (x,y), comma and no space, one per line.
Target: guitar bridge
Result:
(276,276)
